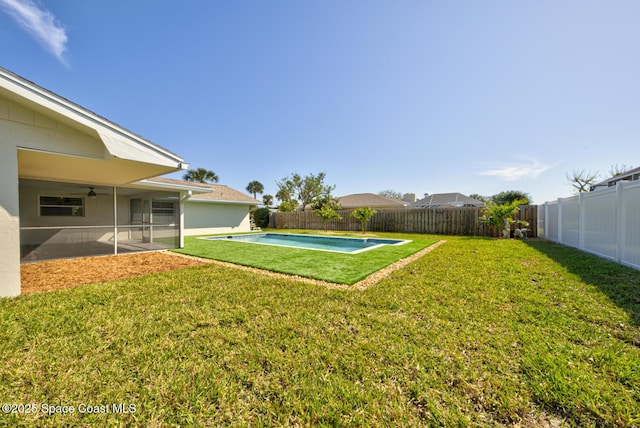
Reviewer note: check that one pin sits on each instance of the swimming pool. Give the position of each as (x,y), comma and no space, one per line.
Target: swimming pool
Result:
(312,242)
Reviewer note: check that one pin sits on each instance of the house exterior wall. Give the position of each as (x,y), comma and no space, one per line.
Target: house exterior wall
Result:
(21,127)
(204,218)
(36,131)
(9,220)
(46,137)
(98,212)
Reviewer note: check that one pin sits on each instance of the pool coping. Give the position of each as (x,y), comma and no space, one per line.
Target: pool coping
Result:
(229,238)
(361,285)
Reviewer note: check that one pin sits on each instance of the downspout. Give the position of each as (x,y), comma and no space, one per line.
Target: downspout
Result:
(115,221)
(183,197)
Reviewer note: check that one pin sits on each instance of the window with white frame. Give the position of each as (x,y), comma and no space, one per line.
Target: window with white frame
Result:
(164,212)
(61,206)
(166,208)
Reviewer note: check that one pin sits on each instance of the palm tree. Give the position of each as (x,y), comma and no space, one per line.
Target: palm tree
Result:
(267,200)
(200,175)
(255,187)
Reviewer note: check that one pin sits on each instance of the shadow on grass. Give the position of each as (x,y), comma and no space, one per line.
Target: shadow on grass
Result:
(620,283)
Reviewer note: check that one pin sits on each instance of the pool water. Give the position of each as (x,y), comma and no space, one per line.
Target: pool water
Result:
(311,242)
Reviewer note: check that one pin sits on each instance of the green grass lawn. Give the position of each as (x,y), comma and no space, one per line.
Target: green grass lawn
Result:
(322,265)
(479,332)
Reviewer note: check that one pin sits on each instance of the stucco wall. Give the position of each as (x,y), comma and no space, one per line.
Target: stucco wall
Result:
(40,141)
(203,218)
(26,128)
(9,220)
(98,212)
(37,131)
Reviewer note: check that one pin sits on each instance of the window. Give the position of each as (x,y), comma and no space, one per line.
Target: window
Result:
(164,212)
(162,208)
(61,206)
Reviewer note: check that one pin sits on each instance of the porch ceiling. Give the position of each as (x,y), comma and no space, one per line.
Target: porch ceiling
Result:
(74,169)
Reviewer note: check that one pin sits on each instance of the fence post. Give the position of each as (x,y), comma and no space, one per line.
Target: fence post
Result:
(581,221)
(546,219)
(560,220)
(620,221)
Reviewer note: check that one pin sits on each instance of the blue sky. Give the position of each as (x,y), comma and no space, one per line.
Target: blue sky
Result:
(413,96)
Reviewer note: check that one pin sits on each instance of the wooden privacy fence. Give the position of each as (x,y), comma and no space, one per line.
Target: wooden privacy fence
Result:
(444,221)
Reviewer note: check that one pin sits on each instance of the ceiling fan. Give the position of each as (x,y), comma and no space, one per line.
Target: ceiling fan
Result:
(92,193)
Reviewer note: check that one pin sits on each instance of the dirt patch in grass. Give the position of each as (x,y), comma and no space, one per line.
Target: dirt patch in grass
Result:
(59,274)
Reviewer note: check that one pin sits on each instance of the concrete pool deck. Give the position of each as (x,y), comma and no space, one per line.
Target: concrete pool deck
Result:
(336,244)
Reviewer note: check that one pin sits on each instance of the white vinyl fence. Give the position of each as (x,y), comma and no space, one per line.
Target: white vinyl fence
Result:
(604,222)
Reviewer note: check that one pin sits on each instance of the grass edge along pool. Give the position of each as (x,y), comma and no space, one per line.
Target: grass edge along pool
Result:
(312,242)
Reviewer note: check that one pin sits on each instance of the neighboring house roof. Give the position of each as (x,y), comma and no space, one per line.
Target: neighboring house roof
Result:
(214,192)
(222,193)
(372,200)
(631,175)
(447,200)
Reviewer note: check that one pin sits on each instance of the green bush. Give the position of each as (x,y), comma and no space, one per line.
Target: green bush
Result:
(363,215)
(261,217)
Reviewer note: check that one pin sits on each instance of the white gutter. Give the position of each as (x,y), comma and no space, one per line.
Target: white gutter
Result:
(210,201)
(150,184)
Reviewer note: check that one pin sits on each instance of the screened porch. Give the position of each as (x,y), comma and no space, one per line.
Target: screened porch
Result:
(67,220)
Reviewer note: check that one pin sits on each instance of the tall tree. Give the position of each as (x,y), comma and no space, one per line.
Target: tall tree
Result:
(302,190)
(478,197)
(389,193)
(267,200)
(508,196)
(582,180)
(286,195)
(200,175)
(617,170)
(255,187)
(326,200)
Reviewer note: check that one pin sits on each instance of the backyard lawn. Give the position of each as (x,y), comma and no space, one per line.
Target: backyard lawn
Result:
(479,332)
(321,265)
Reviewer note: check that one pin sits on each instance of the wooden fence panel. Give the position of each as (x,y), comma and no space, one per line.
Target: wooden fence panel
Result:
(441,221)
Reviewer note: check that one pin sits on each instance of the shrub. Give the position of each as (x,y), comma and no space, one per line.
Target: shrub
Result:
(363,215)
(501,215)
(326,213)
(261,217)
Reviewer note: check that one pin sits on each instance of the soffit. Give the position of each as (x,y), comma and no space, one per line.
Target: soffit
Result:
(74,169)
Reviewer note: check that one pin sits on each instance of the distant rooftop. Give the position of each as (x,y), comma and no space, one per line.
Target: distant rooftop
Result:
(372,200)
(631,175)
(220,192)
(447,200)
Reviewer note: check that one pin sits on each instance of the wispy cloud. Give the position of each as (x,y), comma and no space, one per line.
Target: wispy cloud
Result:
(39,23)
(516,172)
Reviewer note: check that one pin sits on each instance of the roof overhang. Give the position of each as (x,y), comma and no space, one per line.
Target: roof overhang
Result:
(126,156)
(210,201)
(156,185)
(49,166)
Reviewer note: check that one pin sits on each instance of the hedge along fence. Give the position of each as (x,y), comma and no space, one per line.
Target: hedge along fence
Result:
(442,221)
